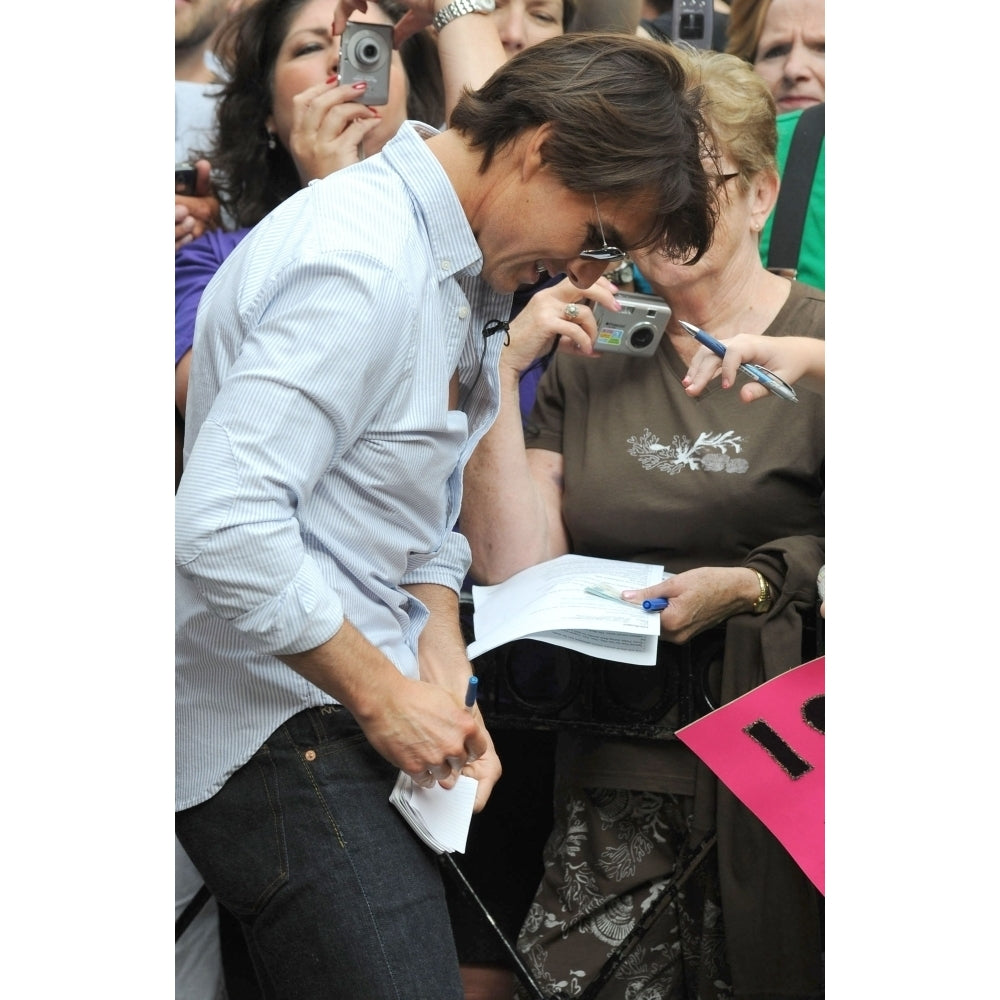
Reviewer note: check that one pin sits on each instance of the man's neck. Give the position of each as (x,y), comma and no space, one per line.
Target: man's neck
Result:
(189,64)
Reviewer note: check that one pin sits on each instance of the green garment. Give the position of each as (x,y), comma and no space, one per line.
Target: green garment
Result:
(812,254)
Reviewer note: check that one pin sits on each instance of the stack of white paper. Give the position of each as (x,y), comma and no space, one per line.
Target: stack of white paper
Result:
(555,602)
(439,816)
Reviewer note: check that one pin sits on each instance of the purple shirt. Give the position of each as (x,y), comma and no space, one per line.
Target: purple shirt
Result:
(194,265)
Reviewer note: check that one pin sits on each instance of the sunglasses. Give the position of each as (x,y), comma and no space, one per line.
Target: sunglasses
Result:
(605,252)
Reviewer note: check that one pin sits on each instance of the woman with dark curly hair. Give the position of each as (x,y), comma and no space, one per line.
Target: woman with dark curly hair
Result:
(284,120)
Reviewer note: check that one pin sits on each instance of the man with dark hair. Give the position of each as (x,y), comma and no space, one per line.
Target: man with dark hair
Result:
(345,364)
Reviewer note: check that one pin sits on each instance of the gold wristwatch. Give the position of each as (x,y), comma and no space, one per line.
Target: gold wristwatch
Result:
(764,601)
(448,14)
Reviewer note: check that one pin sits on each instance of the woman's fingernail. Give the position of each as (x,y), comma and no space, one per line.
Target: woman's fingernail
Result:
(360,85)
(628,594)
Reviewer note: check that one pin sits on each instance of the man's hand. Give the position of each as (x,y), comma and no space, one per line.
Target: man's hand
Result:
(444,663)
(422,728)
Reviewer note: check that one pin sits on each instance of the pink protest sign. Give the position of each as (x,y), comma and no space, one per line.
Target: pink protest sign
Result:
(768,748)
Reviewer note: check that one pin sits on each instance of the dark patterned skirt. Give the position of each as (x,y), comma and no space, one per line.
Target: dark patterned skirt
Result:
(610,856)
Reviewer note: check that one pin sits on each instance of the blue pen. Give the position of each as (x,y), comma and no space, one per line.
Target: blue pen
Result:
(655,604)
(758,373)
(471,691)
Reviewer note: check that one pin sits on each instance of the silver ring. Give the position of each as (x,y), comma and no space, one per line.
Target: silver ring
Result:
(571,311)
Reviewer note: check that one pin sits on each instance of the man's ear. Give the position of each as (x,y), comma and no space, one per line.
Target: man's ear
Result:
(533,159)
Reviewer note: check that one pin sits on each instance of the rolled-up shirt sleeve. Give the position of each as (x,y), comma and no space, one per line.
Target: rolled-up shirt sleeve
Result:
(282,418)
(448,567)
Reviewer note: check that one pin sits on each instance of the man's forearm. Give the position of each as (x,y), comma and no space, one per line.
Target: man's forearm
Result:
(349,668)
(441,651)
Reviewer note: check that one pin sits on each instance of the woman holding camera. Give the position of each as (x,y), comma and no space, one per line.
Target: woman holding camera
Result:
(620,462)
(283,120)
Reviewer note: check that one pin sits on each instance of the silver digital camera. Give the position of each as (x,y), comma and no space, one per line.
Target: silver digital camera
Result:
(366,54)
(636,330)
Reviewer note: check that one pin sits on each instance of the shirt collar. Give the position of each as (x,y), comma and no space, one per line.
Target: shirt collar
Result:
(451,238)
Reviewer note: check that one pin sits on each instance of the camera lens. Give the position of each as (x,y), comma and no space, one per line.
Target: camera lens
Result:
(641,336)
(368,53)
(365,48)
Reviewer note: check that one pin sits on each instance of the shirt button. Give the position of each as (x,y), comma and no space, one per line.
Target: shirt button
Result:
(463,311)
(445,264)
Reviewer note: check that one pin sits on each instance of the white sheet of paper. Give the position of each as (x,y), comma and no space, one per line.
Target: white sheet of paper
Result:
(548,602)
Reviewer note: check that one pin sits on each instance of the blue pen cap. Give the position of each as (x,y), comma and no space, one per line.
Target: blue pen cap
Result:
(471,691)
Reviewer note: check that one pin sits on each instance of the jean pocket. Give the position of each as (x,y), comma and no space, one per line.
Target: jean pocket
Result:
(236,839)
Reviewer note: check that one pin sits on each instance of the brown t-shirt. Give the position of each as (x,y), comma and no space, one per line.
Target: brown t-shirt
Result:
(654,476)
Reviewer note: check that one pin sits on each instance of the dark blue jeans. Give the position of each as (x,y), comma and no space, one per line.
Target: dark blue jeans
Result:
(338,898)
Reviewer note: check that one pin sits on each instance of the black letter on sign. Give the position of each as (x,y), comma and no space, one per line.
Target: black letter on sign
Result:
(814,713)
(781,753)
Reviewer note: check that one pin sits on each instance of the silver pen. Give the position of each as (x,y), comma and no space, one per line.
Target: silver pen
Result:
(758,373)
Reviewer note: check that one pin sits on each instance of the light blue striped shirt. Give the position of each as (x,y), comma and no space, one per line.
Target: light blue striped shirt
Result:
(323,468)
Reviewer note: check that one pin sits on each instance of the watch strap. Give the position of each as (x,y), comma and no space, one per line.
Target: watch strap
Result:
(456,9)
(763,602)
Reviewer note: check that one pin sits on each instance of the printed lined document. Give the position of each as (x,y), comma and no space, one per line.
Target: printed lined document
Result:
(439,816)
(555,601)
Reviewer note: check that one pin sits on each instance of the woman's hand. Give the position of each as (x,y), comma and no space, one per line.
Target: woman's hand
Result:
(700,598)
(545,317)
(419,16)
(792,358)
(328,126)
(196,214)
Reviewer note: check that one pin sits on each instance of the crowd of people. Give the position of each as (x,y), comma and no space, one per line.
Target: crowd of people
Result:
(387,388)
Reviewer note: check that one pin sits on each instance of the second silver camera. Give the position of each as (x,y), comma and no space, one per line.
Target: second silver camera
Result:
(636,330)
